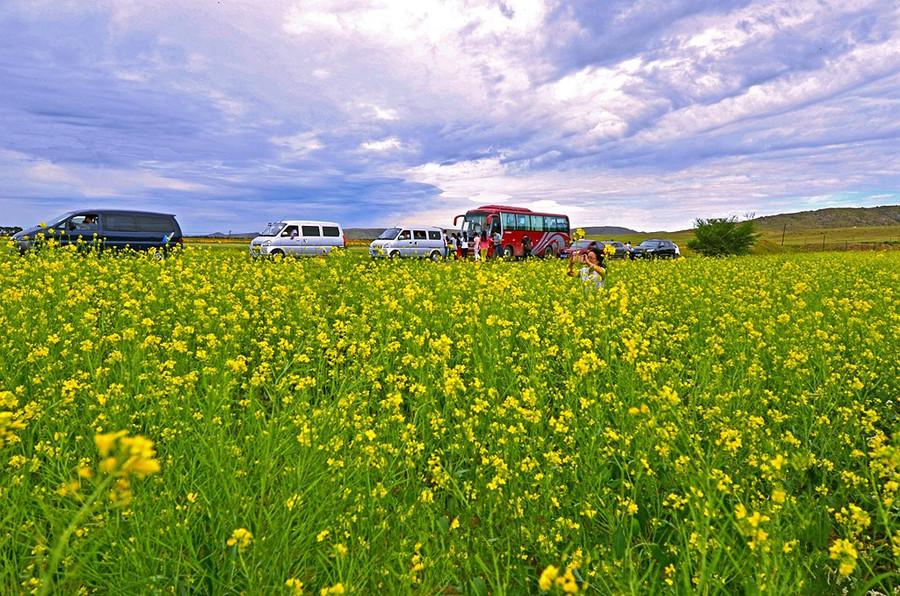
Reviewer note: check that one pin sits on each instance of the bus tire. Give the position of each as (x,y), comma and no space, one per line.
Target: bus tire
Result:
(509,252)
(548,253)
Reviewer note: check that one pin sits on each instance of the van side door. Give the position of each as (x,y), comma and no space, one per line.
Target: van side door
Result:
(420,243)
(404,243)
(312,240)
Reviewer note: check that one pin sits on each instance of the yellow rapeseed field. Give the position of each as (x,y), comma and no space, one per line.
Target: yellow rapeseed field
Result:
(207,423)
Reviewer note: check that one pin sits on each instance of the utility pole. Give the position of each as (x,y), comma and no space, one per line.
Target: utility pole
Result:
(783,230)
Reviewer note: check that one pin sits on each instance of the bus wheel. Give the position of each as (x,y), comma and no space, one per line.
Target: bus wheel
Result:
(508,252)
(548,252)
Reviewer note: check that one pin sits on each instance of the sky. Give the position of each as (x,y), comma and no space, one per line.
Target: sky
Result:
(646,114)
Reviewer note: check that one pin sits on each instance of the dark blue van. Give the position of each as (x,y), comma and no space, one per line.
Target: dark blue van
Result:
(108,228)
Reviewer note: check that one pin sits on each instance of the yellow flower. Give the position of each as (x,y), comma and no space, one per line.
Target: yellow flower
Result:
(547,577)
(845,551)
(240,538)
(335,589)
(295,586)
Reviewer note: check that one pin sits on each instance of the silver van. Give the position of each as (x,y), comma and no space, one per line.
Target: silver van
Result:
(298,238)
(410,241)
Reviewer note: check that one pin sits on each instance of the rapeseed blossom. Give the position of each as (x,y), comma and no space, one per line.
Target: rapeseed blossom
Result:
(397,426)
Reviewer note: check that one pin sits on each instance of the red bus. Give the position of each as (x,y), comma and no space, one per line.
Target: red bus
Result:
(547,233)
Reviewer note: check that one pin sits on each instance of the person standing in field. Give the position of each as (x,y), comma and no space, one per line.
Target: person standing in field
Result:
(498,243)
(591,270)
(526,247)
(476,246)
(457,243)
(485,245)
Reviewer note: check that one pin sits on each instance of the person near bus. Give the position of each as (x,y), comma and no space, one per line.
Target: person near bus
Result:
(526,247)
(476,246)
(498,243)
(485,245)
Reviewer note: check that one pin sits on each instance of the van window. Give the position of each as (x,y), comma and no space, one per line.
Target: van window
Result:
(87,221)
(330,231)
(153,223)
(432,235)
(310,230)
(404,235)
(289,232)
(120,223)
(419,234)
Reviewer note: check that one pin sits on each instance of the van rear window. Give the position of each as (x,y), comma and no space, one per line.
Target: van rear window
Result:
(419,234)
(310,230)
(330,231)
(434,235)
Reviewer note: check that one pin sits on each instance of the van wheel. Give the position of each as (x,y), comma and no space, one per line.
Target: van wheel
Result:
(394,254)
(277,253)
(509,252)
(435,256)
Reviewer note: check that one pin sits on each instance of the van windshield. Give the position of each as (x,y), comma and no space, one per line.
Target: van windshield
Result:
(389,234)
(272,229)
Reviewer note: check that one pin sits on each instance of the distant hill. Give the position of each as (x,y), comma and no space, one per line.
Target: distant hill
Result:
(608,231)
(363,233)
(838,217)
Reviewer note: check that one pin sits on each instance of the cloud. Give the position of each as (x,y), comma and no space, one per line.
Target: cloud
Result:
(643,113)
(388,144)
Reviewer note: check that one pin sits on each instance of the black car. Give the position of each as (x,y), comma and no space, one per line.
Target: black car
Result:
(139,230)
(656,249)
(621,251)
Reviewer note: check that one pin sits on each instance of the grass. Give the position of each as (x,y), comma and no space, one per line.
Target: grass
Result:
(414,427)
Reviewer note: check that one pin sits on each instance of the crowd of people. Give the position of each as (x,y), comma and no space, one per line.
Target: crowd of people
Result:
(591,261)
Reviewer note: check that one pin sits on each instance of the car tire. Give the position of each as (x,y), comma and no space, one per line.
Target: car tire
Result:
(394,254)
(277,253)
(435,256)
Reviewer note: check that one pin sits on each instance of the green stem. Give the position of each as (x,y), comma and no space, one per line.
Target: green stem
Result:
(60,546)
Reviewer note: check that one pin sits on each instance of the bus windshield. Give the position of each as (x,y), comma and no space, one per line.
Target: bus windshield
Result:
(474,223)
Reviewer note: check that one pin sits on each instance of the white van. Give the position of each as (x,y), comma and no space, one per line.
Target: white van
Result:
(298,238)
(410,241)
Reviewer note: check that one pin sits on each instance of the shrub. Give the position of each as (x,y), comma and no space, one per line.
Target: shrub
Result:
(720,236)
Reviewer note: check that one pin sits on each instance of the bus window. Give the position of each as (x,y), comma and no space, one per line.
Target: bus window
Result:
(549,223)
(537,223)
(522,222)
(509,221)
(562,224)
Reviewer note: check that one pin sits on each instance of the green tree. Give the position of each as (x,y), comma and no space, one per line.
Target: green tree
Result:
(720,236)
